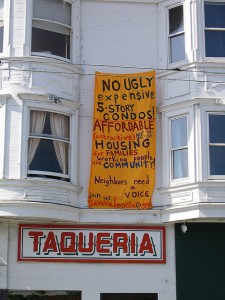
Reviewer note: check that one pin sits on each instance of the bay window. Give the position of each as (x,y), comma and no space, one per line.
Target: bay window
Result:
(51,28)
(215,29)
(176,34)
(179,148)
(49,145)
(217,144)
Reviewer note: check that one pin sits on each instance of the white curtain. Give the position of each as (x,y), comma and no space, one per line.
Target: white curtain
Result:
(60,129)
(37,121)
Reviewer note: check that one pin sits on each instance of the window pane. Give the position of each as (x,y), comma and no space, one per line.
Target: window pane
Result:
(48,123)
(58,11)
(180,163)
(216,129)
(179,133)
(177,51)
(214,15)
(215,43)
(1,9)
(217,160)
(48,148)
(50,42)
(1,38)
(176,22)
(46,158)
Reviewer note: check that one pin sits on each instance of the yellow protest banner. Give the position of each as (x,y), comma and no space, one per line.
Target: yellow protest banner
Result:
(124,141)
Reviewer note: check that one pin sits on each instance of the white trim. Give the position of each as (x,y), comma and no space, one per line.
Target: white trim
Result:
(45,173)
(166,142)
(70,110)
(2,137)
(169,36)
(75,39)
(54,26)
(213,177)
(204,29)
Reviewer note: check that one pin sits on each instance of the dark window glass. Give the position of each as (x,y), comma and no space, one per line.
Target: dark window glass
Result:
(176,34)
(214,15)
(45,158)
(176,23)
(129,296)
(50,42)
(51,27)
(48,147)
(217,160)
(217,144)
(217,128)
(214,29)
(215,43)
(1,38)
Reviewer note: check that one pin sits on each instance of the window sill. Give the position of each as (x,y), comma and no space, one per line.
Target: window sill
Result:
(177,64)
(52,182)
(52,56)
(214,59)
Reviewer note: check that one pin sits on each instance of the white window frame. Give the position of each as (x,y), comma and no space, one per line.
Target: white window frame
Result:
(72,112)
(164,50)
(205,110)
(201,41)
(53,26)
(210,29)
(2,24)
(3,128)
(167,146)
(213,177)
(51,138)
(175,34)
(179,148)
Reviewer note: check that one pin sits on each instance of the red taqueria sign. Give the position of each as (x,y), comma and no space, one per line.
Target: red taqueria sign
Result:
(91,243)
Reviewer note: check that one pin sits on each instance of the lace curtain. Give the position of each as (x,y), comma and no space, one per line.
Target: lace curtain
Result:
(59,128)
(37,121)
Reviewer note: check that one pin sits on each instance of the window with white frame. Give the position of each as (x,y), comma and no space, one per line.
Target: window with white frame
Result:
(216,144)
(1,24)
(176,34)
(214,29)
(51,28)
(179,148)
(49,145)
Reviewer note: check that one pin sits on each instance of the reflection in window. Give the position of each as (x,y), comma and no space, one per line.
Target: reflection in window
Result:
(51,29)
(217,144)
(176,34)
(215,29)
(48,147)
(179,150)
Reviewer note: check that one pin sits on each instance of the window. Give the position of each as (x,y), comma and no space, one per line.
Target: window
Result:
(1,24)
(217,144)
(48,146)
(47,295)
(176,34)
(215,29)
(128,296)
(51,29)
(179,149)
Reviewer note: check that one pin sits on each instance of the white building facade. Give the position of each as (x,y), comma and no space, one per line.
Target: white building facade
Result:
(50,51)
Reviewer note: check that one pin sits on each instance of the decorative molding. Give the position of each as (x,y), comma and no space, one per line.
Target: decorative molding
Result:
(49,99)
